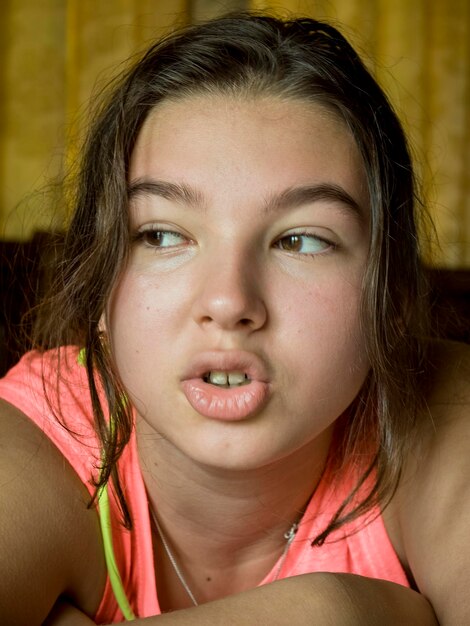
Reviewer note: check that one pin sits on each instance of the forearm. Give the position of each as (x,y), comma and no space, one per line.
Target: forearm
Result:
(323,599)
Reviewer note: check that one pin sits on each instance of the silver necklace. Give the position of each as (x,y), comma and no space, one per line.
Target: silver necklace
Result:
(288,536)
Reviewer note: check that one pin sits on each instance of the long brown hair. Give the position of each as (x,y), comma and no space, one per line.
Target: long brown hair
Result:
(306,60)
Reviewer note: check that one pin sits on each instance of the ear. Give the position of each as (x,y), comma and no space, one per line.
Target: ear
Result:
(103,333)
(102,324)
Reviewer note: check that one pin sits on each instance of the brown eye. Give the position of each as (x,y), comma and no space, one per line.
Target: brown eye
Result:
(303,243)
(291,243)
(153,237)
(161,238)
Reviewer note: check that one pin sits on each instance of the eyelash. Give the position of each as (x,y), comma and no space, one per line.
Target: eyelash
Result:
(141,236)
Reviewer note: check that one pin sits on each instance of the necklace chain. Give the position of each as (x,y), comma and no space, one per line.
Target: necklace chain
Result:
(172,559)
(289,536)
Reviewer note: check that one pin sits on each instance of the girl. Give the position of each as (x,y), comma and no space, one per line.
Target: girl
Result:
(234,363)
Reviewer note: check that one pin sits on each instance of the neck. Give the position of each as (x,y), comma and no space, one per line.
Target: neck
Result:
(186,493)
(238,517)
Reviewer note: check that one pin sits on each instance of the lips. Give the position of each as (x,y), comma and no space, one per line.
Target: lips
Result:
(226,403)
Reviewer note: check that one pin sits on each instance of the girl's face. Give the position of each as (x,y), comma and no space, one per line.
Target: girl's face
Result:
(235,325)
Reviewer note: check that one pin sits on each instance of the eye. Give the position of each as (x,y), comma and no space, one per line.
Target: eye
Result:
(303,243)
(159,238)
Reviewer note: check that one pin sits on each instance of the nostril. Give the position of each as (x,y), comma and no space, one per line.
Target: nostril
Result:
(206,319)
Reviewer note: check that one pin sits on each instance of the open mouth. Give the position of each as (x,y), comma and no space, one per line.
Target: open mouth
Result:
(227,386)
(226,380)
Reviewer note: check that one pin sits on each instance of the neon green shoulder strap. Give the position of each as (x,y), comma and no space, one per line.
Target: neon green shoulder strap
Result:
(106,533)
(113,572)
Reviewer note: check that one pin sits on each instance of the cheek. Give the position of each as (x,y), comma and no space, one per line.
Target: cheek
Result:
(325,308)
(324,350)
(140,314)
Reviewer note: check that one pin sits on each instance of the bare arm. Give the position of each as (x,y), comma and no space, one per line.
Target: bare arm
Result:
(324,599)
(49,541)
(434,501)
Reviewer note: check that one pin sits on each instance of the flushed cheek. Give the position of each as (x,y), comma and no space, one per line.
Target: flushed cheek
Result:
(321,309)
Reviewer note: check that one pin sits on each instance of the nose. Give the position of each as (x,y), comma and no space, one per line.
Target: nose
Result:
(229,297)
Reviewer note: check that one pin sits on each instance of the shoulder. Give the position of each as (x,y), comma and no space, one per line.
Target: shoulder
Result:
(432,503)
(50,541)
(52,389)
(444,428)
(35,382)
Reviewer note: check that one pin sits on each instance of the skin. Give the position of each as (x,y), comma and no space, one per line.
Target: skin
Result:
(224,277)
(233,279)
(224,284)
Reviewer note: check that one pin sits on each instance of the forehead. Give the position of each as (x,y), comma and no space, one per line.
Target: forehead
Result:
(260,144)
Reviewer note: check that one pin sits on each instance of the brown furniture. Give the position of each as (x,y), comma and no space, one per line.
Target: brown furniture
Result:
(24,274)
(450,298)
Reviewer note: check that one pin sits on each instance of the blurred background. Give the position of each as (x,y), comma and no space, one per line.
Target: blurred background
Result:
(57,54)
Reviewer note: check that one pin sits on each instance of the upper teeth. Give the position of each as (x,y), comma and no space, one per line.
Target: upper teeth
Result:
(227,378)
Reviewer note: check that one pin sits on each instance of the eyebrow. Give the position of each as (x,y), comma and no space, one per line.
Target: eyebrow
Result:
(179,192)
(288,199)
(305,194)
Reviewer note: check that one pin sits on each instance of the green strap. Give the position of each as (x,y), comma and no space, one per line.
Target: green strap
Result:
(113,572)
(106,533)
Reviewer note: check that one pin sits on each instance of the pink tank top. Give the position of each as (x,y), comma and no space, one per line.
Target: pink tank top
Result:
(367,552)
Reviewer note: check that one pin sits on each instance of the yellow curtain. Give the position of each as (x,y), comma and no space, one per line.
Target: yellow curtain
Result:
(56,54)
(100,42)
(32,116)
